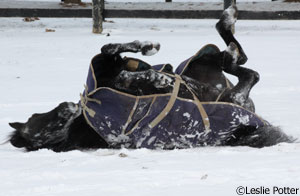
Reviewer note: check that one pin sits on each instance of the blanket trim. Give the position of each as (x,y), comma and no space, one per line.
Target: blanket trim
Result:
(94,76)
(197,54)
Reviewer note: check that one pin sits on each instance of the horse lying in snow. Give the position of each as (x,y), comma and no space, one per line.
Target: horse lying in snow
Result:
(128,103)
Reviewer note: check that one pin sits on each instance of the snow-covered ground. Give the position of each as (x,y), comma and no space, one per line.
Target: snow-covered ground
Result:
(221,1)
(40,69)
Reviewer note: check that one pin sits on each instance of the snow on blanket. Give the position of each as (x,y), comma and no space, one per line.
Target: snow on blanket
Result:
(160,121)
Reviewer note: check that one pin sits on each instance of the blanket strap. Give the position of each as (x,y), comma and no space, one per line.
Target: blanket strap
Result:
(130,115)
(220,95)
(138,122)
(201,109)
(83,101)
(228,86)
(170,104)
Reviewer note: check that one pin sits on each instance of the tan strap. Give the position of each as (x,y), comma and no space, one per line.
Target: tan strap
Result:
(202,111)
(83,101)
(94,76)
(227,87)
(227,82)
(138,123)
(162,68)
(170,104)
(132,65)
(219,96)
(130,115)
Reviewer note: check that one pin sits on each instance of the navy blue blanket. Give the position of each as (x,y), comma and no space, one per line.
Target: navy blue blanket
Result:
(161,121)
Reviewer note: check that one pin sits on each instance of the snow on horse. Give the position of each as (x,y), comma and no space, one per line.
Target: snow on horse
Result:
(128,103)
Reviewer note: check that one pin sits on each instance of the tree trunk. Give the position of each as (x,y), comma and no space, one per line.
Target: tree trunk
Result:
(228,3)
(98,8)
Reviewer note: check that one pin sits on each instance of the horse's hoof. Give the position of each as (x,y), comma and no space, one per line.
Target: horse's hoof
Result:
(149,48)
(229,17)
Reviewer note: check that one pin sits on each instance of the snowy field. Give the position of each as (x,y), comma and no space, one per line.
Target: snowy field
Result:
(41,69)
(221,1)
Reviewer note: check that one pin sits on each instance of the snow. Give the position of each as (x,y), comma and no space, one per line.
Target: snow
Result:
(233,51)
(221,1)
(41,69)
(186,114)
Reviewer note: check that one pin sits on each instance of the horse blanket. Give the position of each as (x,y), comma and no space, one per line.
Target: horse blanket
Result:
(161,121)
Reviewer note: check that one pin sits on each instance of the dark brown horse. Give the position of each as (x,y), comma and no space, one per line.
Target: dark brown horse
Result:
(128,103)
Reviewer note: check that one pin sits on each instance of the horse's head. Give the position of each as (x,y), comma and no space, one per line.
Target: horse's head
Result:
(51,126)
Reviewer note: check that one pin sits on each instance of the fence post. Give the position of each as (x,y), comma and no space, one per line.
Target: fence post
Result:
(98,8)
(72,1)
(228,3)
(168,0)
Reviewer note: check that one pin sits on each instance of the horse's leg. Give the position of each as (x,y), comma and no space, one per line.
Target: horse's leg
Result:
(239,94)
(109,63)
(223,26)
(147,48)
(207,69)
(230,61)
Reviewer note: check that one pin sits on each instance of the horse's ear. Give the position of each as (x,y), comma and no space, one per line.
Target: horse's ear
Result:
(16,125)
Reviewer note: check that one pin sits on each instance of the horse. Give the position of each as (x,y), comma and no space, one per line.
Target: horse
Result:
(129,103)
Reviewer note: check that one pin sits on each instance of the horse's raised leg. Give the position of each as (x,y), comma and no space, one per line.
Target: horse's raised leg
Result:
(146,48)
(223,26)
(109,63)
(239,94)
(230,61)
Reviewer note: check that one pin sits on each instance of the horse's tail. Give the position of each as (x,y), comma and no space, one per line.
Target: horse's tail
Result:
(268,135)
